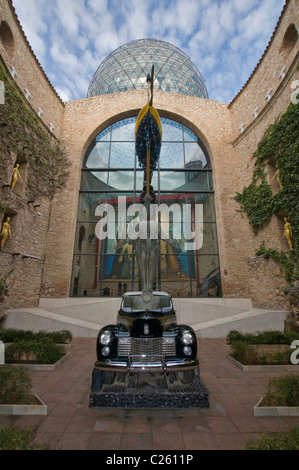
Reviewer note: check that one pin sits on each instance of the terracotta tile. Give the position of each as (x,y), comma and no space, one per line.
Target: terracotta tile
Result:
(168,441)
(54,424)
(229,441)
(108,425)
(199,441)
(137,425)
(73,441)
(165,425)
(220,425)
(105,441)
(81,424)
(133,441)
(193,425)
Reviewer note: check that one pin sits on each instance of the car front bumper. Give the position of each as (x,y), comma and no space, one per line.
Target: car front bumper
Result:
(146,363)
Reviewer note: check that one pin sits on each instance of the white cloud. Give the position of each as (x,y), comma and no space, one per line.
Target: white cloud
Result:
(224,38)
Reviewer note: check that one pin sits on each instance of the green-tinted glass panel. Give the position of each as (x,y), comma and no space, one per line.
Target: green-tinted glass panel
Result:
(124,130)
(94,180)
(172,155)
(198,181)
(121,180)
(122,155)
(172,180)
(99,156)
(104,136)
(194,156)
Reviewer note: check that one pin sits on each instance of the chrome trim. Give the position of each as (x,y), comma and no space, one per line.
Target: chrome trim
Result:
(148,346)
(162,365)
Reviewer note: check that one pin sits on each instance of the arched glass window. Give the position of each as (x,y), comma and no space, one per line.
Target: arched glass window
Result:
(183,178)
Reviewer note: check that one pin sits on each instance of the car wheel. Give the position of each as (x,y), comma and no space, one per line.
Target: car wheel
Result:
(108,378)
(186,377)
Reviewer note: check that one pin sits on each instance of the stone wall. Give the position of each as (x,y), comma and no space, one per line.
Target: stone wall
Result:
(22,256)
(266,283)
(256,111)
(26,70)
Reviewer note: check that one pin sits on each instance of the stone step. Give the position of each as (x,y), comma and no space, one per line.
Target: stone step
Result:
(209,319)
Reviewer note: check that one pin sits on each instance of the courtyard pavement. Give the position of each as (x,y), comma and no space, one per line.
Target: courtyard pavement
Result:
(227,424)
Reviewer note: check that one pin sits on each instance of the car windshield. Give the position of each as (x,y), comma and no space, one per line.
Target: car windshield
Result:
(165,305)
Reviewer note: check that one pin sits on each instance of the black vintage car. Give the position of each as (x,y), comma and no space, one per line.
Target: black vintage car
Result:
(145,341)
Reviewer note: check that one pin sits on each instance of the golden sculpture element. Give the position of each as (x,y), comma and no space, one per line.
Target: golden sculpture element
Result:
(5,232)
(288,233)
(15,176)
(278,178)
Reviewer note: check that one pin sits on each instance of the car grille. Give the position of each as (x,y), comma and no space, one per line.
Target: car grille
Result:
(147,346)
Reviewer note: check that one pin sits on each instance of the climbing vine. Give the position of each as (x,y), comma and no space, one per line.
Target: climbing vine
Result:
(282,258)
(280,144)
(22,131)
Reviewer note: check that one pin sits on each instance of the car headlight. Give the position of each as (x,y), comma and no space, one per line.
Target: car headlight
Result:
(106,338)
(187,351)
(187,337)
(105,351)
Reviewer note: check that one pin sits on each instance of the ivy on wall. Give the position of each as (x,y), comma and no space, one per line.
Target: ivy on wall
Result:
(22,131)
(280,145)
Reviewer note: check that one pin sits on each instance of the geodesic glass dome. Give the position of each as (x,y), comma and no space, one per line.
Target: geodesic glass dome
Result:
(128,66)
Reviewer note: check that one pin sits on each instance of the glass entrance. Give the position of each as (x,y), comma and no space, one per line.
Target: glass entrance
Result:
(185,209)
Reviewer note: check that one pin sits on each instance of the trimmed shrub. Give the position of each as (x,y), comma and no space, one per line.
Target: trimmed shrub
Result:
(11,335)
(286,440)
(15,384)
(283,391)
(247,354)
(17,439)
(262,337)
(40,352)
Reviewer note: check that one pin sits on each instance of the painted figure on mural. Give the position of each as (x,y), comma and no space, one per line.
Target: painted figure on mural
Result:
(15,176)
(5,232)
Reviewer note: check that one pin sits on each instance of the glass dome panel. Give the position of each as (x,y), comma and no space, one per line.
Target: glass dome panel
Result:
(128,66)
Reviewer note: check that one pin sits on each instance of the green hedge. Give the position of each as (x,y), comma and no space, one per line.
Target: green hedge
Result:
(15,384)
(262,337)
(283,391)
(286,440)
(247,355)
(45,352)
(11,335)
(18,439)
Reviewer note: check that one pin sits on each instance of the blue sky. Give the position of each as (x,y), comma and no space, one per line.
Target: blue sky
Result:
(224,38)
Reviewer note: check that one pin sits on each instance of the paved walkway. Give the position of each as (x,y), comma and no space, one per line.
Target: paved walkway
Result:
(227,424)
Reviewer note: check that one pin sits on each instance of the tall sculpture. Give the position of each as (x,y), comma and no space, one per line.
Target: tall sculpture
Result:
(148,139)
(5,232)
(288,233)
(15,176)
(277,175)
